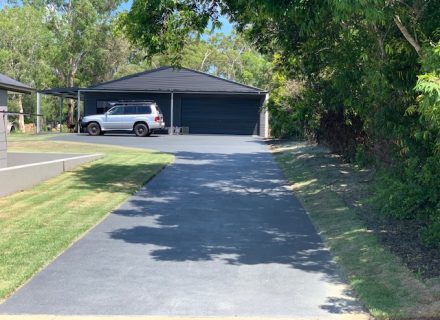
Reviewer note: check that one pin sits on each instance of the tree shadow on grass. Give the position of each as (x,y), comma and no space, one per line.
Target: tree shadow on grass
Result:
(113,177)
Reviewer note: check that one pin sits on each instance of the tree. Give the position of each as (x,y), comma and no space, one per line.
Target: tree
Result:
(73,39)
(227,56)
(83,33)
(24,47)
(237,60)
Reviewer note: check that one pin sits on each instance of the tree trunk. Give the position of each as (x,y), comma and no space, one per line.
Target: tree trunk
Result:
(412,41)
(21,115)
(71,104)
(71,114)
(202,65)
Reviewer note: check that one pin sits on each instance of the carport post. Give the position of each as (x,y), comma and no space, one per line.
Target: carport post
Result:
(79,111)
(171,130)
(38,112)
(61,111)
(266,117)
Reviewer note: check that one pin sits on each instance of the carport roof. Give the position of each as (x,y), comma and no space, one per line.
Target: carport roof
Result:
(69,92)
(182,80)
(10,84)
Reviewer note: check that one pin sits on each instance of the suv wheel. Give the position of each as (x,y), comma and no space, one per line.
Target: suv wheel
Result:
(141,130)
(94,129)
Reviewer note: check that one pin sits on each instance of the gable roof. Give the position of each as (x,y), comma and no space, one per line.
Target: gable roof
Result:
(10,84)
(178,80)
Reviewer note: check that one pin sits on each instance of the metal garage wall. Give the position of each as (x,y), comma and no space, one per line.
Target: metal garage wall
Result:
(231,114)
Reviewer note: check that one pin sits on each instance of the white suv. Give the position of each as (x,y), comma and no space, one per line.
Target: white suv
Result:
(142,118)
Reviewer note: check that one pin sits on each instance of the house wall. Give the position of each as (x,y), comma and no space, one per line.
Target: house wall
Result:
(3,118)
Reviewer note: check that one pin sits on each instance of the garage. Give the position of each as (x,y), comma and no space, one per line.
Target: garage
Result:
(191,101)
(222,115)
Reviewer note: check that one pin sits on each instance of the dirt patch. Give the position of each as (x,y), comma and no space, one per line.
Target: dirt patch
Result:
(402,238)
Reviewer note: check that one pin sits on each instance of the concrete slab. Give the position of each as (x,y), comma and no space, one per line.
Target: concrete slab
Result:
(218,233)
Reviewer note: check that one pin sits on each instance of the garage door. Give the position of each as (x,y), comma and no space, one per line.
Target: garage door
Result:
(221,115)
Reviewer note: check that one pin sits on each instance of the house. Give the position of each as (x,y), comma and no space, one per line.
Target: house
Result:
(199,101)
(7,85)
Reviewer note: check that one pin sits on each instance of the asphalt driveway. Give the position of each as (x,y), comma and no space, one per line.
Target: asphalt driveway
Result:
(218,233)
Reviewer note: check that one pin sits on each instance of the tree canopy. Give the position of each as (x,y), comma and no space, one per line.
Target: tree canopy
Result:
(24,45)
(228,56)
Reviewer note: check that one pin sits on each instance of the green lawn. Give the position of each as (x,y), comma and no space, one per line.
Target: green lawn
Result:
(385,286)
(18,136)
(38,224)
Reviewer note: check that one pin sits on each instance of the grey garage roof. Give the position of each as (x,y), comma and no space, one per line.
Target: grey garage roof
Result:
(178,80)
(10,84)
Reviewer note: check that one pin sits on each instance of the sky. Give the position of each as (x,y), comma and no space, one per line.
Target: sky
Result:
(227,27)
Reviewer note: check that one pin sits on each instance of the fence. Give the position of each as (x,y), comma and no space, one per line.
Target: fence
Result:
(9,124)
(14,128)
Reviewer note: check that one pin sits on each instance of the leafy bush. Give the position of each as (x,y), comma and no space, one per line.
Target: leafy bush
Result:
(411,191)
(287,110)
(364,157)
(431,233)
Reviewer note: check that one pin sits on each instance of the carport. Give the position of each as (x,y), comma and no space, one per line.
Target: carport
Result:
(189,99)
(73,93)
(8,85)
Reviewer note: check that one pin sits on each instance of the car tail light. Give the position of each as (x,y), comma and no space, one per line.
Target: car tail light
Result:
(157,119)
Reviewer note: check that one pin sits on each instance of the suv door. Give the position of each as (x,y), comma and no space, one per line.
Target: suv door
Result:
(114,118)
(129,117)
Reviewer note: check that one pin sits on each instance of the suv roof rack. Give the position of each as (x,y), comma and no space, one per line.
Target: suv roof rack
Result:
(132,102)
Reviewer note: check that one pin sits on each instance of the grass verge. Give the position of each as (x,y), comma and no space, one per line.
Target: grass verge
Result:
(18,136)
(382,283)
(38,224)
